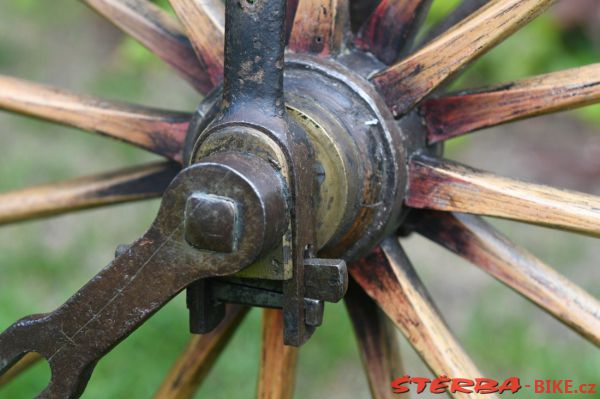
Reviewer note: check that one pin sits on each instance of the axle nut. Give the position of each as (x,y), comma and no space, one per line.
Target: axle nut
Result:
(211,222)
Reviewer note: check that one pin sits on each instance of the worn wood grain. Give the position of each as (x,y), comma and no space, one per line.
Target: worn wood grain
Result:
(132,184)
(161,132)
(460,12)
(377,342)
(159,32)
(456,114)
(407,82)
(387,276)
(448,186)
(475,240)
(277,374)
(391,29)
(198,358)
(204,21)
(20,367)
(320,27)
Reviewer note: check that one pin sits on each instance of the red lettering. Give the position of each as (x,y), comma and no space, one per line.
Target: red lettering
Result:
(439,385)
(591,390)
(421,383)
(539,386)
(556,386)
(461,385)
(443,384)
(485,386)
(513,384)
(568,386)
(397,384)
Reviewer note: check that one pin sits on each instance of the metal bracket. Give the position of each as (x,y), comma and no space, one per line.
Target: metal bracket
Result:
(324,280)
(253,119)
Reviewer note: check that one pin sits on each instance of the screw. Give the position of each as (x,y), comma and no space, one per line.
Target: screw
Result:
(211,222)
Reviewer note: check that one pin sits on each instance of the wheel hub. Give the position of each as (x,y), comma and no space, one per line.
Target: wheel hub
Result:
(360,151)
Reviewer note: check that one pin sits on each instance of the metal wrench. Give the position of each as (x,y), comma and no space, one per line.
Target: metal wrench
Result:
(145,277)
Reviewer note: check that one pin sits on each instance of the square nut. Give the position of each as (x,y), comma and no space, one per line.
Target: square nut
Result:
(211,222)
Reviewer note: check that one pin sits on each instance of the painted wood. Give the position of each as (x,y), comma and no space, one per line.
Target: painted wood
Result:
(198,358)
(360,11)
(377,343)
(133,184)
(391,29)
(277,373)
(319,27)
(159,32)
(290,15)
(457,114)
(475,240)
(158,131)
(387,276)
(407,82)
(204,21)
(448,186)
(20,367)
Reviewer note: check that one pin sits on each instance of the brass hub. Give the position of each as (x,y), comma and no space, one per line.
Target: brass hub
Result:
(359,149)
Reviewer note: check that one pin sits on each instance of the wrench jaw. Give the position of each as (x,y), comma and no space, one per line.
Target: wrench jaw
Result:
(31,334)
(71,388)
(153,270)
(12,349)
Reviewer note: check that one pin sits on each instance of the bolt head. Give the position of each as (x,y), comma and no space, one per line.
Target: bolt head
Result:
(211,222)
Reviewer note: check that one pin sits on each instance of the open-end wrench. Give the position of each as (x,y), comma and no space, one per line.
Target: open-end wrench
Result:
(151,272)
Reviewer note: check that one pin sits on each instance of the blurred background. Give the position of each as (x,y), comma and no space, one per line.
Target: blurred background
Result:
(63,43)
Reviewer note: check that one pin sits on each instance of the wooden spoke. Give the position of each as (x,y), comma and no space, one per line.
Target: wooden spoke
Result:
(319,26)
(454,115)
(189,371)
(87,192)
(204,21)
(462,11)
(475,240)
(161,132)
(21,366)
(391,29)
(360,11)
(377,342)
(290,15)
(387,276)
(448,186)
(407,82)
(160,33)
(277,376)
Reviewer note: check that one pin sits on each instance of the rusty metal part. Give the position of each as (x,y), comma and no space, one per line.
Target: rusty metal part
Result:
(267,297)
(325,279)
(360,151)
(205,312)
(354,114)
(252,108)
(336,136)
(146,276)
(211,222)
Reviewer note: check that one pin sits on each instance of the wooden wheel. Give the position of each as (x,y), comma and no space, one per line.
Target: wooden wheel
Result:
(441,200)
